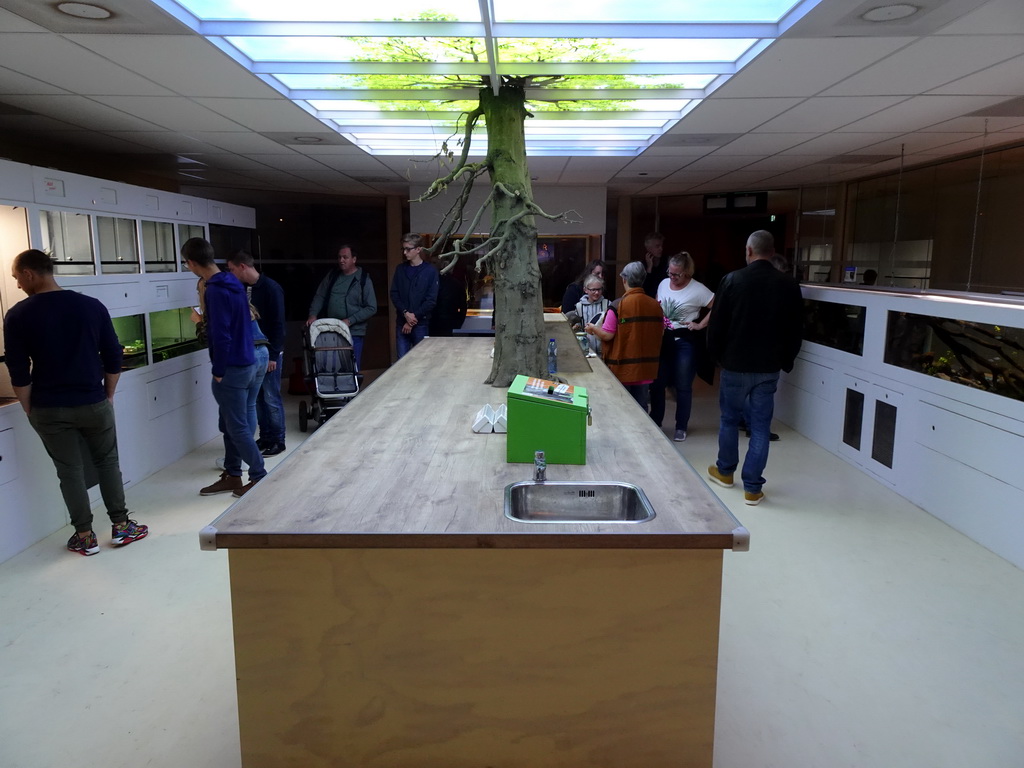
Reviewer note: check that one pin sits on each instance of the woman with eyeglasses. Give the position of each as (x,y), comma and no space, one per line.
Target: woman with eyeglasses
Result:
(575,290)
(591,308)
(414,294)
(683,300)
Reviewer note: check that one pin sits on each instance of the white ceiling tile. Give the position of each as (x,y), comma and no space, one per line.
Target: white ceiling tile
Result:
(186,64)
(264,114)
(290,161)
(683,152)
(997,14)
(16,82)
(785,162)
(825,114)
(718,162)
(366,163)
(344,148)
(168,141)
(34,124)
(976,125)
(930,63)
(172,112)
(11,22)
(1006,79)
(782,70)
(916,142)
(764,143)
(837,143)
(63,64)
(243,142)
(733,115)
(81,111)
(919,112)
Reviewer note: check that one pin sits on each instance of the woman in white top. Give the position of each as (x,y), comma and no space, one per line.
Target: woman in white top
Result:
(682,298)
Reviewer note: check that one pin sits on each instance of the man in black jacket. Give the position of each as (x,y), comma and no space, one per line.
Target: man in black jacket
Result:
(755,331)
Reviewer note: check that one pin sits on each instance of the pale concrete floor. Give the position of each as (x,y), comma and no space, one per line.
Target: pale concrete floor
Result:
(858,632)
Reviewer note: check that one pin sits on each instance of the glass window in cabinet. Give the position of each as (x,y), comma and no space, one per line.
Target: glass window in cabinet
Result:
(131,332)
(67,237)
(173,333)
(187,232)
(118,244)
(158,252)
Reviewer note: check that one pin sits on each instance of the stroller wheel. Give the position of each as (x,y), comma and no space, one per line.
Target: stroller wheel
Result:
(303,416)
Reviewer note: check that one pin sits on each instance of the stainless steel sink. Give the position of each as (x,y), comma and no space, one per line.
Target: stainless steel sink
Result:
(576,502)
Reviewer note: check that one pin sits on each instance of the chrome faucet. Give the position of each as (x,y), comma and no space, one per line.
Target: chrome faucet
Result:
(540,467)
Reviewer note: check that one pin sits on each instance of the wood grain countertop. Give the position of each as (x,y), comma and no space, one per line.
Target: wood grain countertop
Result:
(400,467)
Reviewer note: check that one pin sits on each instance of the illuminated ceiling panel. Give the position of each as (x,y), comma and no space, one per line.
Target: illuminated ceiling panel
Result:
(603,78)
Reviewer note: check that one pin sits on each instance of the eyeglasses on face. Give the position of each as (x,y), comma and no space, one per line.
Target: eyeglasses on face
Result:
(594,289)
(677,274)
(407,248)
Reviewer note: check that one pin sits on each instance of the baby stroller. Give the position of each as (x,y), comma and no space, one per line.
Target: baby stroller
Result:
(330,366)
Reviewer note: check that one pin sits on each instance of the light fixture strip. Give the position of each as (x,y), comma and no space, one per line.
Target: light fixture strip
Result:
(490,42)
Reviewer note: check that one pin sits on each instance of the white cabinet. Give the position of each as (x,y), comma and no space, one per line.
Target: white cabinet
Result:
(8,457)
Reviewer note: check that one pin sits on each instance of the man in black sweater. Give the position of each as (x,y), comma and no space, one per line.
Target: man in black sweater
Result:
(755,331)
(65,359)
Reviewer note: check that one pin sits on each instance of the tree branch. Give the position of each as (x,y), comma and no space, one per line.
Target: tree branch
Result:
(440,184)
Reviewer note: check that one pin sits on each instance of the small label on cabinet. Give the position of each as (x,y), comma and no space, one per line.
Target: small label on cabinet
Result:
(53,187)
(153,202)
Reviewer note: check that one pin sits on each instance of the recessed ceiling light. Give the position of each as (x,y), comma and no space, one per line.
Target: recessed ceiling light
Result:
(307,139)
(84,11)
(890,12)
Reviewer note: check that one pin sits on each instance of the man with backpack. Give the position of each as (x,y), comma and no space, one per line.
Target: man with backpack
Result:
(346,293)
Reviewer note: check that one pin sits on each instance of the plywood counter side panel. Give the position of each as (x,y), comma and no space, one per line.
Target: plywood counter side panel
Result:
(422,659)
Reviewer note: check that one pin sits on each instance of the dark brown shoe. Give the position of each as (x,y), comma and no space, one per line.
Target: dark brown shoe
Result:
(244,489)
(226,484)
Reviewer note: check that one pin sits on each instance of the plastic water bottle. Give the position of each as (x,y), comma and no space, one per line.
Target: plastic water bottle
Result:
(552,358)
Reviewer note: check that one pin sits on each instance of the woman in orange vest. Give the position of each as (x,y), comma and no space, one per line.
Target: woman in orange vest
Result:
(631,335)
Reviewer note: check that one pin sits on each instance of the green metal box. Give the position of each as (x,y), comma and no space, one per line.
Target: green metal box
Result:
(546,416)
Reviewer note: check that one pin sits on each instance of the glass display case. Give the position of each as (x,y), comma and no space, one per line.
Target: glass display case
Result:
(187,232)
(67,237)
(978,355)
(840,326)
(173,333)
(158,252)
(131,332)
(118,244)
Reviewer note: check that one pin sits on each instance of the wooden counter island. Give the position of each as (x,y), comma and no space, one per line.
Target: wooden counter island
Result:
(387,613)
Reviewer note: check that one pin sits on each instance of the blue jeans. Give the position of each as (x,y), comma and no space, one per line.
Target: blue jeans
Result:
(734,390)
(236,395)
(270,407)
(406,341)
(357,351)
(639,392)
(678,366)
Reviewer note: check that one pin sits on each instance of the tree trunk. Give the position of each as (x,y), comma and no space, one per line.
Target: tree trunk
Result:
(519,343)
